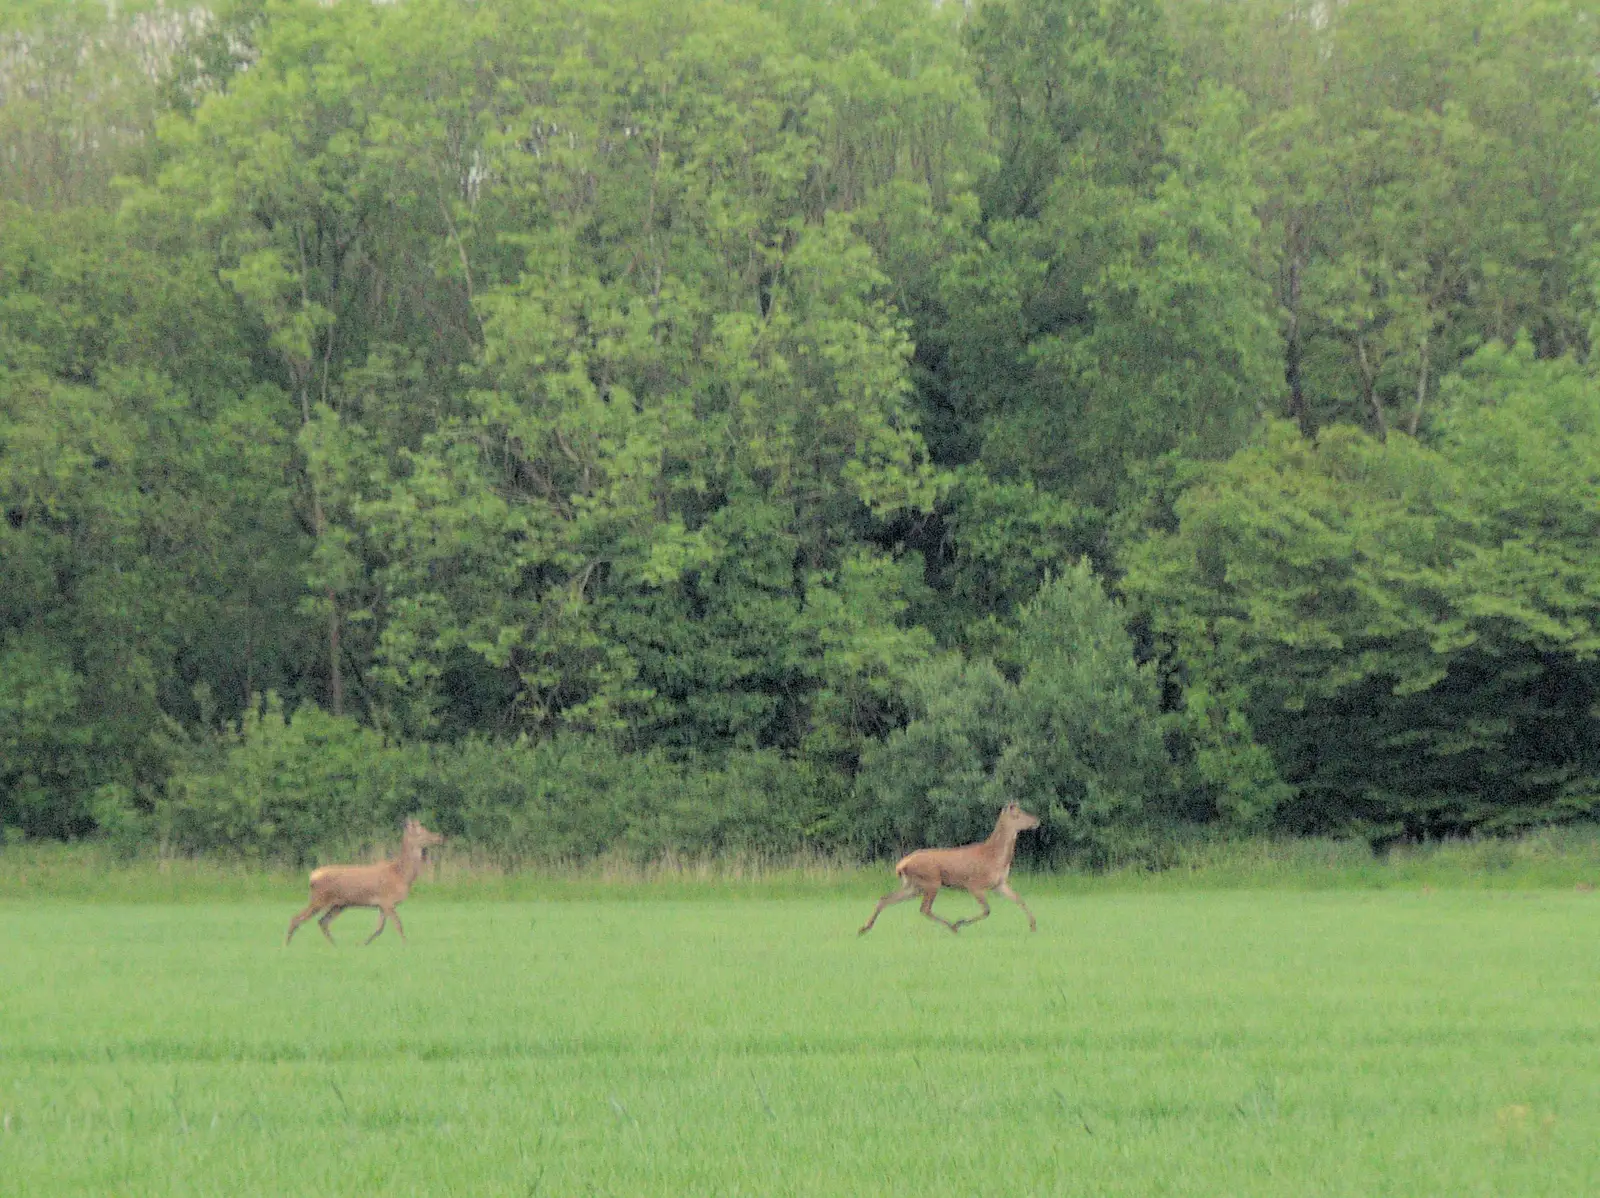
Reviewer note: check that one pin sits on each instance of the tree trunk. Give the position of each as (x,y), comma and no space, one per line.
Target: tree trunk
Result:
(1422,387)
(319,525)
(1369,392)
(1291,352)
(335,670)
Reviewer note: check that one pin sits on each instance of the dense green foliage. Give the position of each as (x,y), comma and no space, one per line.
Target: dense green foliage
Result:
(1186,1045)
(763,424)
(1075,739)
(1411,627)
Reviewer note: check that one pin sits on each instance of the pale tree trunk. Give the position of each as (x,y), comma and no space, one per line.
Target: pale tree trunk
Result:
(1369,391)
(1422,386)
(319,520)
(319,527)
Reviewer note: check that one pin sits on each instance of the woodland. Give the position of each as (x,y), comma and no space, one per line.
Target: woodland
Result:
(613,426)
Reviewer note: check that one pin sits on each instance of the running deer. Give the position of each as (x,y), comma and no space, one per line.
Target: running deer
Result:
(975,868)
(384,885)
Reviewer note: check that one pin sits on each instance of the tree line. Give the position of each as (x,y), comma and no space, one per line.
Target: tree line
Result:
(764,424)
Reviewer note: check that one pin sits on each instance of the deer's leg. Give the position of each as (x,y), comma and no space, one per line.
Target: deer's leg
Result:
(383,922)
(327,918)
(927,909)
(398,926)
(899,896)
(1005,889)
(982,902)
(300,919)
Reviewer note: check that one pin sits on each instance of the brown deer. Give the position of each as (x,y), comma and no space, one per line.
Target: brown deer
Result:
(975,868)
(384,885)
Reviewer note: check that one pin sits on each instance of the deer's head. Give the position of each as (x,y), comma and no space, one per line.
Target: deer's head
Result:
(1014,816)
(418,837)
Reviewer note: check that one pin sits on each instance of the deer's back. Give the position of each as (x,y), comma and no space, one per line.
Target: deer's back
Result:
(963,867)
(355,885)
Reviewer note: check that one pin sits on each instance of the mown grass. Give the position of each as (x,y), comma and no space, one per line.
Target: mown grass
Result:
(1199,1042)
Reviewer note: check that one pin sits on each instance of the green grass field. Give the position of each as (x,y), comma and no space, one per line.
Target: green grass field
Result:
(1189,1043)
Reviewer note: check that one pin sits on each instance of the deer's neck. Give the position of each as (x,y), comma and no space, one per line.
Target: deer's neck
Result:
(408,864)
(1001,845)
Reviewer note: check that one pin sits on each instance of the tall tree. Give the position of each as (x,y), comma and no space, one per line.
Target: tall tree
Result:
(1409,633)
(1385,135)
(691,390)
